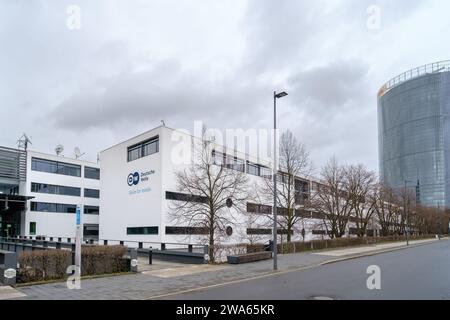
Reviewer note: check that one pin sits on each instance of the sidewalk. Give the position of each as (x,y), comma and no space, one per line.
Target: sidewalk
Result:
(162,279)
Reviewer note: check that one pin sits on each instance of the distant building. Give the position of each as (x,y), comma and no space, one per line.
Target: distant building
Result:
(414,133)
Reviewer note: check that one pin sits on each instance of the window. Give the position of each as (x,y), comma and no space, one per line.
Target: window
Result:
(187,230)
(255,232)
(92,193)
(258,170)
(228,161)
(55,167)
(142,231)
(91,210)
(258,208)
(143,149)
(90,231)
(32,228)
(53,189)
(92,173)
(53,207)
(185,197)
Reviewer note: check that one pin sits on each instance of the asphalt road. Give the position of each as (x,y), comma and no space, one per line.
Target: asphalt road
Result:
(415,273)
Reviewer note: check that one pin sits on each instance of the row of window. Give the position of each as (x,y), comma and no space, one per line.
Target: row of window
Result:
(62,208)
(205,231)
(67,169)
(143,149)
(89,230)
(63,190)
(185,197)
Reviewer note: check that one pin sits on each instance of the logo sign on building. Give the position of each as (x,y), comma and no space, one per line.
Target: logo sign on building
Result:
(136,178)
(133,179)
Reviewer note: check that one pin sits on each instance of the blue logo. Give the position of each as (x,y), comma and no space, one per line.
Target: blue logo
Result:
(133,179)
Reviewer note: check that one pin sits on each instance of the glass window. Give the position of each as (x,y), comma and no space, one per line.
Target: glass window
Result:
(187,230)
(92,173)
(185,197)
(92,193)
(251,231)
(143,149)
(142,231)
(91,210)
(53,207)
(53,189)
(55,167)
(32,228)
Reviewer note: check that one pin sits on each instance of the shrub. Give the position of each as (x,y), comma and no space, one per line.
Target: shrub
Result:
(52,264)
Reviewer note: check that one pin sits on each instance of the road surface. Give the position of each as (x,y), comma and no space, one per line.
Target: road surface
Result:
(415,273)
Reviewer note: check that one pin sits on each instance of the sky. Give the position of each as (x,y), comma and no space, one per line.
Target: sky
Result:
(90,74)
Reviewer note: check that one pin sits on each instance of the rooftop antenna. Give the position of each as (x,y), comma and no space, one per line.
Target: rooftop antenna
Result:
(59,149)
(23,142)
(163,123)
(78,153)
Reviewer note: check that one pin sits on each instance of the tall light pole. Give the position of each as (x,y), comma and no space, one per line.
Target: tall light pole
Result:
(275,173)
(406,215)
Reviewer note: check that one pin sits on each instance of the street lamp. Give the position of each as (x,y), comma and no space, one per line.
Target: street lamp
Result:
(406,214)
(275,172)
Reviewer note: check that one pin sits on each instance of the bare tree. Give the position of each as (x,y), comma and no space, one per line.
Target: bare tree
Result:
(331,200)
(293,185)
(387,208)
(215,192)
(359,186)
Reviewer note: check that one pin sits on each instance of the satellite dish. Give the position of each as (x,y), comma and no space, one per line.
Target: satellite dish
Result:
(59,149)
(78,153)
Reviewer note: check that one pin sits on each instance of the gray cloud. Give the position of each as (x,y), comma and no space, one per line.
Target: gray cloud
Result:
(134,63)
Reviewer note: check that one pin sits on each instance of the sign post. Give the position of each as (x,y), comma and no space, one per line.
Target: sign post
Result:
(78,241)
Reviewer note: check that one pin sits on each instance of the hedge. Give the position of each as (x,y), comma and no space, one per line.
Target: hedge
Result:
(52,264)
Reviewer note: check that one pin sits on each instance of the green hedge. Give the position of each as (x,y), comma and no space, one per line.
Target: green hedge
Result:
(340,243)
(331,244)
(52,264)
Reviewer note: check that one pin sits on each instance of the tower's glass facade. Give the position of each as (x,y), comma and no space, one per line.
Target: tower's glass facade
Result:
(414,133)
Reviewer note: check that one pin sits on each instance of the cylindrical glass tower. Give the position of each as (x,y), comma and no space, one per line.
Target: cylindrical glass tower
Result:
(414,133)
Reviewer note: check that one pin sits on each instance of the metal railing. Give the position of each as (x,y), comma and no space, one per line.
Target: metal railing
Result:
(436,67)
(170,251)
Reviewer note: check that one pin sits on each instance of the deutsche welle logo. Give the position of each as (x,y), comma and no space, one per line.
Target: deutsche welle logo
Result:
(133,179)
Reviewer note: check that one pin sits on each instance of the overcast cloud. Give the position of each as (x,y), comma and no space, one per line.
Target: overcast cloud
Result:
(133,63)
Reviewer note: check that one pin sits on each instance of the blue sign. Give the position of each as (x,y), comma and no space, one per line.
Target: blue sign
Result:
(78,215)
(133,179)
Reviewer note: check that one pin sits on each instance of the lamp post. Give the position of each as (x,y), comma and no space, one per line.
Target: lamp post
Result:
(275,173)
(406,214)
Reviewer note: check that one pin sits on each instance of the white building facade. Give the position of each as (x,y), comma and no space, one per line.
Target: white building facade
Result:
(139,186)
(39,194)
(57,185)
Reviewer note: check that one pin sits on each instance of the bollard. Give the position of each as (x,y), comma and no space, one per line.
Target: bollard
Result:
(8,271)
(150,256)
(133,260)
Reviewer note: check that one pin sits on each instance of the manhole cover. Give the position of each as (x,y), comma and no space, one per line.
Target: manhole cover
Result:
(322,298)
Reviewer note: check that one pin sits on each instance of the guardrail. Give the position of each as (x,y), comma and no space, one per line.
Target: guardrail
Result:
(175,252)
(8,265)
